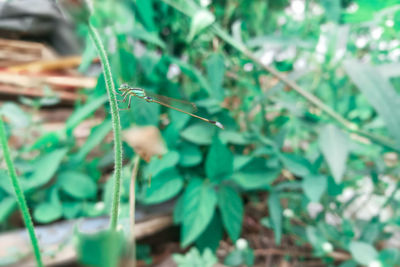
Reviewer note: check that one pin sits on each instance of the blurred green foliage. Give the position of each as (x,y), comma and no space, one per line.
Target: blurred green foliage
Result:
(324,186)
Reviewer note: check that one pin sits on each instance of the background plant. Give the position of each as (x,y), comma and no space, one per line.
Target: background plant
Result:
(278,149)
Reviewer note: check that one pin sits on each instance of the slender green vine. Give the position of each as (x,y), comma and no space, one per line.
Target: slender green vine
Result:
(115,122)
(20,195)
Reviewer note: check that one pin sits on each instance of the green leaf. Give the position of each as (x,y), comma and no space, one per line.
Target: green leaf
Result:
(213,234)
(157,165)
(215,74)
(363,253)
(164,186)
(71,209)
(219,162)
(146,13)
(96,136)
(296,164)
(314,186)
(47,212)
(231,207)
(275,212)
(255,180)
(15,115)
(7,206)
(178,210)
(200,20)
(149,37)
(233,137)
(77,184)
(379,92)
(200,201)
(85,111)
(45,168)
(332,9)
(200,133)
(190,155)
(102,249)
(335,146)
(47,141)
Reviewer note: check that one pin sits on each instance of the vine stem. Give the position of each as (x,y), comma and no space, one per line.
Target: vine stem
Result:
(115,122)
(20,195)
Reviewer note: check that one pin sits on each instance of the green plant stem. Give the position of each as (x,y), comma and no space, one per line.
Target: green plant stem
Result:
(132,205)
(20,195)
(349,126)
(115,122)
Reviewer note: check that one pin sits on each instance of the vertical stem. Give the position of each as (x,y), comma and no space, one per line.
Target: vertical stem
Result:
(115,122)
(20,195)
(132,207)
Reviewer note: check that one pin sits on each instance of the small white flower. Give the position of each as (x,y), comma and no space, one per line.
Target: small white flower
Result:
(248,67)
(327,247)
(241,244)
(376,33)
(389,23)
(375,263)
(99,206)
(205,3)
(173,71)
(288,213)
(297,6)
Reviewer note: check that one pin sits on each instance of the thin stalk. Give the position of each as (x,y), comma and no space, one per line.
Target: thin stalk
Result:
(132,207)
(20,195)
(115,122)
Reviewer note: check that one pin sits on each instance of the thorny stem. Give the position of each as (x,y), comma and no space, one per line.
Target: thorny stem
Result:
(20,195)
(115,122)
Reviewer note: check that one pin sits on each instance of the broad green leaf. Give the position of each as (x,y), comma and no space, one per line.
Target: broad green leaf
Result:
(212,236)
(240,161)
(77,184)
(231,207)
(71,209)
(332,9)
(85,111)
(219,162)
(146,13)
(200,201)
(164,186)
(5,182)
(335,146)
(178,210)
(15,115)
(389,256)
(233,137)
(96,136)
(7,206)
(363,253)
(296,164)
(47,140)
(157,165)
(45,168)
(256,180)
(379,92)
(314,186)
(275,213)
(200,133)
(47,212)
(215,74)
(200,20)
(190,155)
(102,249)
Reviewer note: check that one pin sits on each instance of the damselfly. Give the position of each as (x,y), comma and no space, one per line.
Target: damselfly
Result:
(180,105)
